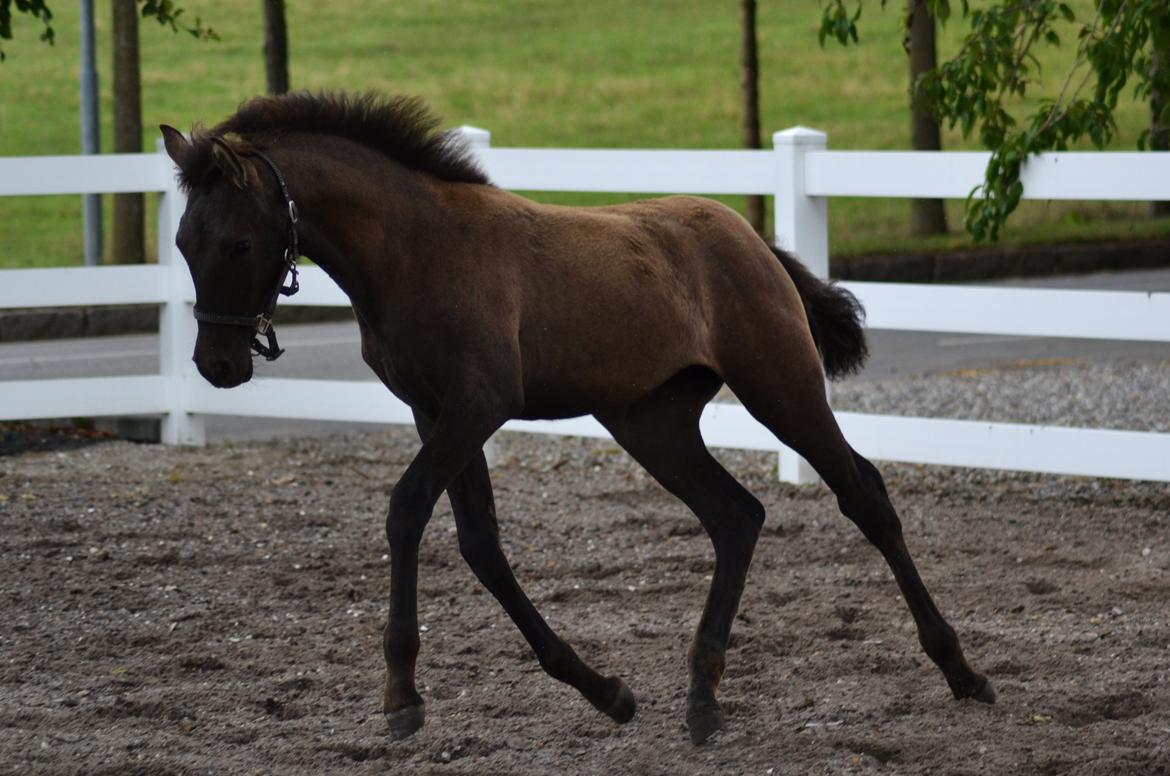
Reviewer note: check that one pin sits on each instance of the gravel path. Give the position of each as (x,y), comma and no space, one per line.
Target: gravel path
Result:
(1133,396)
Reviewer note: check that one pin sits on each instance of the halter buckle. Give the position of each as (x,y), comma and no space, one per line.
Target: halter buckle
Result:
(295,285)
(272,350)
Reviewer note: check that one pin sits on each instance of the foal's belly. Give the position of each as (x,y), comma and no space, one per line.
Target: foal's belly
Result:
(558,405)
(596,382)
(579,361)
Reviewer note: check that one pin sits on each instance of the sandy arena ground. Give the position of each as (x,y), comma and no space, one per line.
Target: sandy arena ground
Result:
(219,610)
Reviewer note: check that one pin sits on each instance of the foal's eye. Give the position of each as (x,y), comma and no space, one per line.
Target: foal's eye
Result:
(241,248)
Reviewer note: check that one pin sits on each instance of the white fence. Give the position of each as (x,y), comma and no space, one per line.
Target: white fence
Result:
(800,173)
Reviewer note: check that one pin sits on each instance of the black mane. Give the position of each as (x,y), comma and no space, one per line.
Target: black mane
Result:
(400,127)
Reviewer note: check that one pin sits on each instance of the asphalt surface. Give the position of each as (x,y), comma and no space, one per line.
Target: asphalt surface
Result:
(333,351)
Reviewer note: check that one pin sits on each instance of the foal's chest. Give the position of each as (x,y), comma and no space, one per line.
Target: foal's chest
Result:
(396,367)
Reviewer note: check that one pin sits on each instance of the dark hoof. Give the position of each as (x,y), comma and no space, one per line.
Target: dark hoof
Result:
(981,690)
(623,706)
(405,721)
(984,692)
(703,721)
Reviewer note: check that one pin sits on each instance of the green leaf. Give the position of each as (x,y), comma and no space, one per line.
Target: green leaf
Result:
(1014,194)
(940,10)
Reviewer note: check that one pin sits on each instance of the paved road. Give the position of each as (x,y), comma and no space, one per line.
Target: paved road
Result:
(332,351)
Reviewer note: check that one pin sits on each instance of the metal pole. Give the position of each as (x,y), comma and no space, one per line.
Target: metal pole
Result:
(90,139)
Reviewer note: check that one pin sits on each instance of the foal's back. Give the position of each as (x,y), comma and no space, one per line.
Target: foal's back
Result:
(614,301)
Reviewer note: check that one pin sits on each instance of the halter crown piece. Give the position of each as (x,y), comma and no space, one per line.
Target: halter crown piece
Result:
(262,322)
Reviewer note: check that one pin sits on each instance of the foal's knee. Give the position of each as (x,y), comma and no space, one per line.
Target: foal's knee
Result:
(735,540)
(751,524)
(737,524)
(753,512)
(407,516)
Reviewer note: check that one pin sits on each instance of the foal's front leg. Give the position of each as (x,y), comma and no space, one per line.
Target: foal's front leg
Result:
(458,435)
(662,434)
(479,542)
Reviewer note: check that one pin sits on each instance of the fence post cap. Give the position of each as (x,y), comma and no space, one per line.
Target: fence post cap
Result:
(476,136)
(799,136)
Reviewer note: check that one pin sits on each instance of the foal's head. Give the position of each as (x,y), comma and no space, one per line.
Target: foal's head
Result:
(233,236)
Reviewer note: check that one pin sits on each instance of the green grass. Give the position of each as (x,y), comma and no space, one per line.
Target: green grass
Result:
(599,74)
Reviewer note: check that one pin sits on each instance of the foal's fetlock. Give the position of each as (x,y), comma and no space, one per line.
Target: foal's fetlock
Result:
(945,651)
(618,702)
(704,716)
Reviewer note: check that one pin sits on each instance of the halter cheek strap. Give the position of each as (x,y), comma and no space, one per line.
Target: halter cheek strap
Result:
(262,322)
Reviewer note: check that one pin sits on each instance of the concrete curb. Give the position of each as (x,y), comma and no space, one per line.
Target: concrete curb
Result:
(998,263)
(938,267)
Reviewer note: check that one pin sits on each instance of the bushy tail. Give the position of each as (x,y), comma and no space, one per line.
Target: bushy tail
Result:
(834,316)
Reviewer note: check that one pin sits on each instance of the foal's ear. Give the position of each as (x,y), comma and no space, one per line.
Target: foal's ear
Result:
(232,164)
(177,145)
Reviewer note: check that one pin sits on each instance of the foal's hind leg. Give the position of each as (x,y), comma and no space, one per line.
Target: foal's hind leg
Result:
(662,433)
(793,406)
(479,542)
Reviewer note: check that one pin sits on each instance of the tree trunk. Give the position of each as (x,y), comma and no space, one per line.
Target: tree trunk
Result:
(927,216)
(1159,129)
(275,46)
(749,89)
(129,222)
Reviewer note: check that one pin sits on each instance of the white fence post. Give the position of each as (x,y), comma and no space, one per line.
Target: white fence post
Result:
(802,228)
(480,140)
(476,137)
(176,323)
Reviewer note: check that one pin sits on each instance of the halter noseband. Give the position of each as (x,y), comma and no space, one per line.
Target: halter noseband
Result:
(262,323)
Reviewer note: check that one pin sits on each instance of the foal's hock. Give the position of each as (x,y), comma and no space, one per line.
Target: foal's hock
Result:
(477,306)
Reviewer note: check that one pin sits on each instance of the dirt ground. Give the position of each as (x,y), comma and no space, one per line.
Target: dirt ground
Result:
(219,610)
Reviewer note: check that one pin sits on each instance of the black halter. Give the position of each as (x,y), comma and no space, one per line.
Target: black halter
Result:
(262,323)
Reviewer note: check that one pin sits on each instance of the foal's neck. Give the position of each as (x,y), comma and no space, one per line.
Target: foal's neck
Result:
(358,210)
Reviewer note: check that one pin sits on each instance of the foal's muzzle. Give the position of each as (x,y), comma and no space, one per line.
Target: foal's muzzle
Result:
(222,356)
(222,373)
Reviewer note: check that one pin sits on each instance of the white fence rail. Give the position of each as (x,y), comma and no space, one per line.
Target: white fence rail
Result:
(799,172)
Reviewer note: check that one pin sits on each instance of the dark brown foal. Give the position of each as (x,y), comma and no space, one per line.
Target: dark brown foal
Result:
(477,306)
